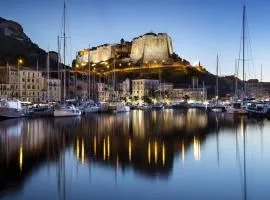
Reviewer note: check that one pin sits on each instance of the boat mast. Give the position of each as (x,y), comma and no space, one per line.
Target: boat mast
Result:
(64,58)
(89,68)
(48,76)
(236,81)
(244,27)
(58,67)
(217,78)
(261,83)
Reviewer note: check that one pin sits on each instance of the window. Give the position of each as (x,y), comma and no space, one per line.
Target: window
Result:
(33,80)
(33,87)
(28,87)
(28,80)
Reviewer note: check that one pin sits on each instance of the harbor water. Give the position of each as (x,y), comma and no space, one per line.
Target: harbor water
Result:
(165,154)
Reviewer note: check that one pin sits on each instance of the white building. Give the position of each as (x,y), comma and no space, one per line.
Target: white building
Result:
(143,87)
(32,86)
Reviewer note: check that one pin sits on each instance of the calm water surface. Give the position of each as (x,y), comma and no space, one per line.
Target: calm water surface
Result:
(166,154)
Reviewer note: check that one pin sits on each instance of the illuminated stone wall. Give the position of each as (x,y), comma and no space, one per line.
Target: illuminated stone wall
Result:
(150,47)
(101,53)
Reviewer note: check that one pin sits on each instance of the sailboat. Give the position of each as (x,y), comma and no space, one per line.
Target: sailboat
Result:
(238,107)
(65,110)
(216,106)
(116,106)
(44,110)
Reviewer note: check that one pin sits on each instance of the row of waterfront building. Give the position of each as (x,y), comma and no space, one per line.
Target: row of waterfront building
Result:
(32,86)
(28,85)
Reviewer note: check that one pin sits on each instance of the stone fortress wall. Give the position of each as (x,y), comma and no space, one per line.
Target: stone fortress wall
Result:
(148,47)
(151,47)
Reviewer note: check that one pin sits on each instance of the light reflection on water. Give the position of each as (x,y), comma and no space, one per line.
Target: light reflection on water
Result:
(168,154)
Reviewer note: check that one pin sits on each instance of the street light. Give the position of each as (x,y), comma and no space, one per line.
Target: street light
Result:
(20,61)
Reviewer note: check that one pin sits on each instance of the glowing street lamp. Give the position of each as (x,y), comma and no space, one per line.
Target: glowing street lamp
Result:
(20,61)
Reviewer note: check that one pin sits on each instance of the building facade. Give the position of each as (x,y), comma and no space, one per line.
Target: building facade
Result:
(144,87)
(32,86)
(124,88)
(54,90)
(198,94)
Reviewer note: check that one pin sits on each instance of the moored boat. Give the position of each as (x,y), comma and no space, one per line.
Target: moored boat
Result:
(236,108)
(11,109)
(66,111)
(259,110)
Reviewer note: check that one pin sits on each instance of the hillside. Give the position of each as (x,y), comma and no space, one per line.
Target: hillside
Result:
(16,44)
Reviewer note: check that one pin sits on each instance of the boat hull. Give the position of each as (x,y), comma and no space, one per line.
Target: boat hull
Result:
(9,113)
(66,113)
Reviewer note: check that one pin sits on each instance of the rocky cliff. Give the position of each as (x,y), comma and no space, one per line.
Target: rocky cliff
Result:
(15,44)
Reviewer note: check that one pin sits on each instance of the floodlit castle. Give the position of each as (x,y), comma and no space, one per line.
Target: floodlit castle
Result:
(146,48)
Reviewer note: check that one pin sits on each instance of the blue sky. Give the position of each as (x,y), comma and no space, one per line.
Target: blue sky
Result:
(200,29)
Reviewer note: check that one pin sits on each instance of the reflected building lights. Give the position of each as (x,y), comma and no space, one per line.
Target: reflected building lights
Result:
(183,151)
(156,151)
(104,149)
(95,145)
(108,147)
(163,154)
(21,156)
(117,161)
(129,150)
(149,152)
(77,149)
(83,151)
(197,148)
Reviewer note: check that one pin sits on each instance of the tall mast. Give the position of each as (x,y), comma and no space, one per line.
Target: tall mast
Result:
(217,78)
(64,95)
(236,81)
(89,68)
(244,27)
(48,76)
(58,66)
(261,84)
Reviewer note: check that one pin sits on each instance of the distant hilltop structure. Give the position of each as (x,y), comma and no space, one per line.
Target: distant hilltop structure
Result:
(149,47)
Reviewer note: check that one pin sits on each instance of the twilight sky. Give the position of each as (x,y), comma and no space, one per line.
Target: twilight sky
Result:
(200,29)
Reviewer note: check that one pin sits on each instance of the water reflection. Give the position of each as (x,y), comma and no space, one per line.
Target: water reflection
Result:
(149,143)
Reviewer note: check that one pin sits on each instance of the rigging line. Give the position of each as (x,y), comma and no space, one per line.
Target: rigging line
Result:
(251,52)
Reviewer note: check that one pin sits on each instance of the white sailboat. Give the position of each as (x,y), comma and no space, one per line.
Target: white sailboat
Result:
(65,110)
